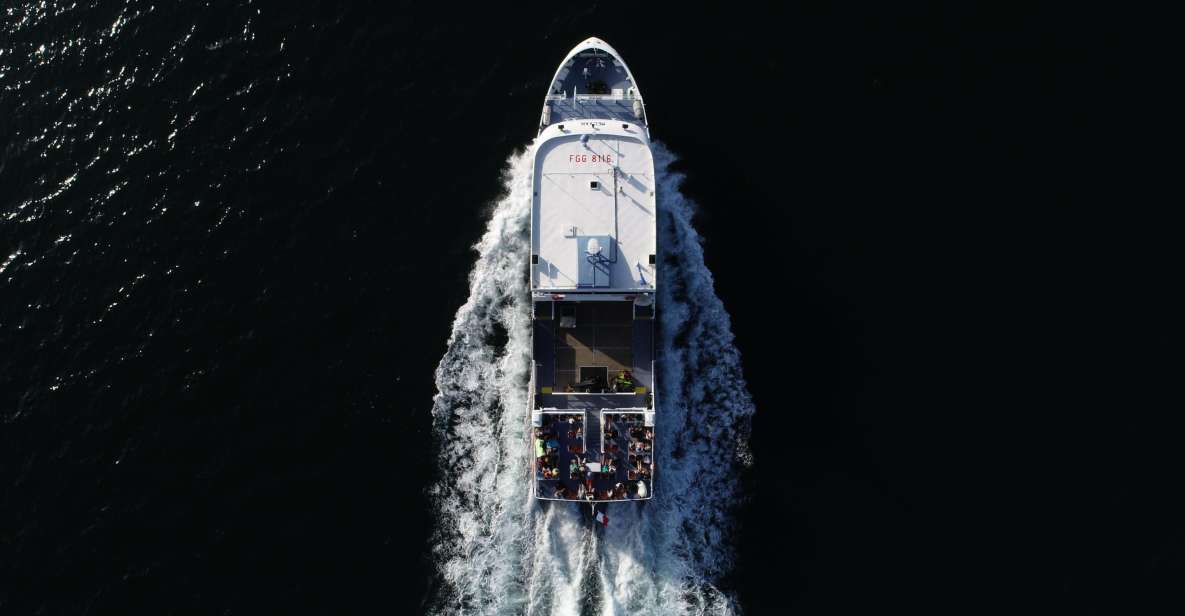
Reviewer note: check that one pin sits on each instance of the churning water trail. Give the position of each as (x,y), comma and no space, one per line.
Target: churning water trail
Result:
(497,550)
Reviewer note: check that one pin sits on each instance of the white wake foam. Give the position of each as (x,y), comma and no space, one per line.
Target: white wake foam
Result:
(497,550)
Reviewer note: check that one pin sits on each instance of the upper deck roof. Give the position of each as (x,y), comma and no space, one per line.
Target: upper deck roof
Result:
(593,211)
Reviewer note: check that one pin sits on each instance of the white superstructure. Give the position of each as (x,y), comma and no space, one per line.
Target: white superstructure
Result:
(594,190)
(593,276)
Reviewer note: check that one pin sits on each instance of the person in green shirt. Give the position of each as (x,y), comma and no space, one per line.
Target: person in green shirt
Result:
(623,382)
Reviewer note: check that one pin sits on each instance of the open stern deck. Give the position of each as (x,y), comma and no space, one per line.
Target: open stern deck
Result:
(593,401)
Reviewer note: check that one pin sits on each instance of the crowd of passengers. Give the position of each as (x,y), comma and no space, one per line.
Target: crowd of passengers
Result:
(636,458)
(639,447)
(585,490)
(547,443)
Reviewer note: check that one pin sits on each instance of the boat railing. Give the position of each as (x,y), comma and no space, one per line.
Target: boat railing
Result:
(653,405)
(582,98)
(653,388)
(650,422)
(531,387)
(624,96)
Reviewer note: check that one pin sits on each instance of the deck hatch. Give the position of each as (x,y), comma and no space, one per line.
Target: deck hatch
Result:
(594,260)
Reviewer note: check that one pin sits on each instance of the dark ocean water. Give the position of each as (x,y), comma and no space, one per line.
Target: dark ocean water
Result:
(234,236)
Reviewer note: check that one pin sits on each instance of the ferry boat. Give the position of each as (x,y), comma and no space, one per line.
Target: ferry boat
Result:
(593,280)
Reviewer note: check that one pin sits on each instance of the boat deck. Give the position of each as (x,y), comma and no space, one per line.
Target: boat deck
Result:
(580,455)
(594,456)
(569,109)
(603,334)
